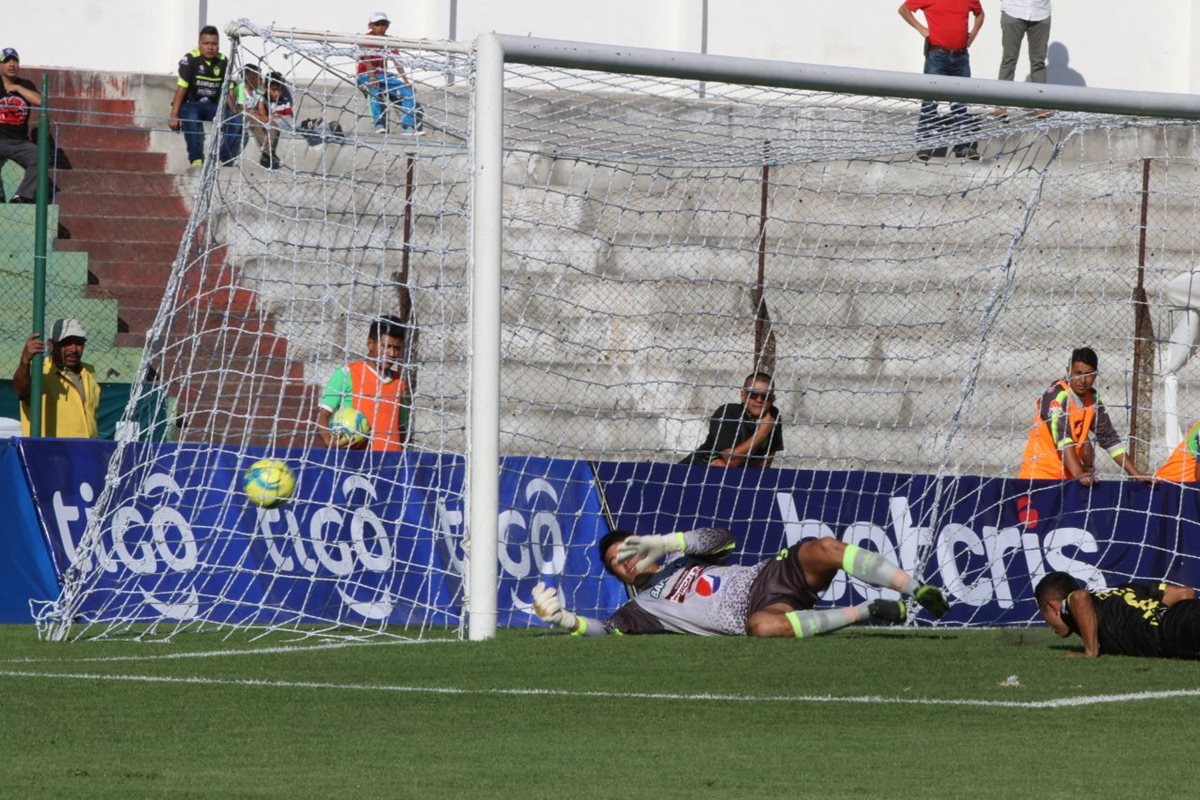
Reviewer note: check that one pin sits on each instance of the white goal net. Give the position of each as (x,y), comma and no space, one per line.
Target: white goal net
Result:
(662,239)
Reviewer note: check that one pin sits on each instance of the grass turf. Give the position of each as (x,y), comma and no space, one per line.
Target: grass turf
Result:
(867,713)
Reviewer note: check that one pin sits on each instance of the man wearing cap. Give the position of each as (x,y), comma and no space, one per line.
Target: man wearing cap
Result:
(381,85)
(17,97)
(198,98)
(71,394)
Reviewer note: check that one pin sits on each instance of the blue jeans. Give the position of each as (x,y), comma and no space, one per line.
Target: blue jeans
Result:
(940,62)
(193,115)
(389,87)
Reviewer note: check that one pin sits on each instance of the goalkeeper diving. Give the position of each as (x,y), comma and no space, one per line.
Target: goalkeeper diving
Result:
(684,586)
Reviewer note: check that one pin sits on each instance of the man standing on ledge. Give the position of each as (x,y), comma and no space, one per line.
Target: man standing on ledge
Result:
(70,392)
(947,41)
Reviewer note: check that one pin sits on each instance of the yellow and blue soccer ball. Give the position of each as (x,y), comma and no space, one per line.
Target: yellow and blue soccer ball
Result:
(269,483)
(349,426)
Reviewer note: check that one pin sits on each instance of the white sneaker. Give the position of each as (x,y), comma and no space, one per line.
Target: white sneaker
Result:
(414,132)
(381,128)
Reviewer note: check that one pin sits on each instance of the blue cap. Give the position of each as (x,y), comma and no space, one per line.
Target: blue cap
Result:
(9,52)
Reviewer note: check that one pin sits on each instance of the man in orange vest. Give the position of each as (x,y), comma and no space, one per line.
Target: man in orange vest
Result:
(1183,466)
(1068,415)
(375,386)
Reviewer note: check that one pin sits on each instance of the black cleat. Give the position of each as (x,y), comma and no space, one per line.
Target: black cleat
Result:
(892,612)
(930,597)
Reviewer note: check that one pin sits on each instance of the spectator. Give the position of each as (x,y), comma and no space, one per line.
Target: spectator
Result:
(275,112)
(71,394)
(242,107)
(1183,465)
(947,42)
(383,86)
(773,598)
(1069,414)
(18,96)
(1131,620)
(745,434)
(198,98)
(1024,19)
(375,386)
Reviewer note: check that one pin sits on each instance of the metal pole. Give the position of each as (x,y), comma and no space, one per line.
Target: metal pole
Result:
(483,422)
(40,230)
(1142,398)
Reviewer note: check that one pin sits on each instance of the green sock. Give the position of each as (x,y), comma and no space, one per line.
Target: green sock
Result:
(824,620)
(876,570)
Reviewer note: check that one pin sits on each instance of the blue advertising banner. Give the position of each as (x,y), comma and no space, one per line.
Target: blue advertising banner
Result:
(351,546)
(986,540)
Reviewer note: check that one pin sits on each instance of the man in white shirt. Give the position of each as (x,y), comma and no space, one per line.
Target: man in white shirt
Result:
(1024,19)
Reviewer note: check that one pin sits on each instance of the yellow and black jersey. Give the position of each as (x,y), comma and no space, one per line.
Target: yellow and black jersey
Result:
(1129,620)
(202,77)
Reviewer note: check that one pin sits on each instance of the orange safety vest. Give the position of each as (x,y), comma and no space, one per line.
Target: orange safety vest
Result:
(381,402)
(1042,459)
(1181,466)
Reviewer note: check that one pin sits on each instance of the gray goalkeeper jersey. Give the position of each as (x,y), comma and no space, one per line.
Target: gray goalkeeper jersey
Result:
(692,593)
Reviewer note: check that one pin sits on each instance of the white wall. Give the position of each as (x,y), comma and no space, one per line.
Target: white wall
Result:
(1109,43)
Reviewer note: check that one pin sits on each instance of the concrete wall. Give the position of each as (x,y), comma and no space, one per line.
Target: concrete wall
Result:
(1101,42)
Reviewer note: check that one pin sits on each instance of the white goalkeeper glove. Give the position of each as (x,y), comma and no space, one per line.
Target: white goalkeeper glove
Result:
(649,549)
(547,604)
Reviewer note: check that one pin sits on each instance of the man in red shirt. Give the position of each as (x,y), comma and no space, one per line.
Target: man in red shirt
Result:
(947,41)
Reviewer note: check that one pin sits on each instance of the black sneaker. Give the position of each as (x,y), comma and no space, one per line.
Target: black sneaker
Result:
(892,612)
(970,153)
(923,155)
(930,597)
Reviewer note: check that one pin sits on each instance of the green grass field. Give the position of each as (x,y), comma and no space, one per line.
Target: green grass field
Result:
(535,715)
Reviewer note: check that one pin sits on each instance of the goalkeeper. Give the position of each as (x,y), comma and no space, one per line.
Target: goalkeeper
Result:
(685,587)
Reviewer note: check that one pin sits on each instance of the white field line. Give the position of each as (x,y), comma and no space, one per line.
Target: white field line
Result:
(221,653)
(705,697)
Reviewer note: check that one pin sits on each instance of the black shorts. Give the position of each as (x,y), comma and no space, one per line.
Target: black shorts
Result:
(781,580)
(1180,631)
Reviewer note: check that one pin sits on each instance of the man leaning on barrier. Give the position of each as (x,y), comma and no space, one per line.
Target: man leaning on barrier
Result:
(70,392)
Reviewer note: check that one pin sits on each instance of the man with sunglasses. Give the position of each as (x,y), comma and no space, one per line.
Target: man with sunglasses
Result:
(1069,414)
(745,434)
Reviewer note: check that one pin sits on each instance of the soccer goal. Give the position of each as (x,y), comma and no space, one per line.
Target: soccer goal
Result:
(589,248)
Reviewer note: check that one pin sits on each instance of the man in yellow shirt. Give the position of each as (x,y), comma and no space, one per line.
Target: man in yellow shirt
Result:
(70,393)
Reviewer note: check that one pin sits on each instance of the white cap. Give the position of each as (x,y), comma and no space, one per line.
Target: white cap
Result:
(378,16)
(66,328)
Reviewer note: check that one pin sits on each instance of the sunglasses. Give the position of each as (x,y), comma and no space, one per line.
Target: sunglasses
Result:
(768,396)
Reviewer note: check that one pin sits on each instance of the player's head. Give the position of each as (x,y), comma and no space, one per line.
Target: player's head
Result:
(758,393)
(1082,370)
(385,339)
(274,85)
(210,41)
(624,571)
(378,23)
(1050,593)
(252,75)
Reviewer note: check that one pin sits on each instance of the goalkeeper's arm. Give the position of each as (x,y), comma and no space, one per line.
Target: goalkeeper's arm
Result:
(547,604)
(649,549)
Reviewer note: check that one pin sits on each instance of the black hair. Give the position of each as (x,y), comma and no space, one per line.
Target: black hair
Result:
(607,541)
(757,377)
(252,68)
(1085,355)
(387,325)
(1055,586)
(210,30)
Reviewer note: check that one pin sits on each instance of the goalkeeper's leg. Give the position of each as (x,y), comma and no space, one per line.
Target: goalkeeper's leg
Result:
(822,558)
(780,620)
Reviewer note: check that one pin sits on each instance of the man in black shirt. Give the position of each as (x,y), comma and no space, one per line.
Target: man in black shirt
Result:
(17,97)
(198,98)
(1160,620)
(745,434)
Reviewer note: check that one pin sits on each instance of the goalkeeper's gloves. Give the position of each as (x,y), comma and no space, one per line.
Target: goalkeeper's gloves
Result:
(547,604)
(649,549)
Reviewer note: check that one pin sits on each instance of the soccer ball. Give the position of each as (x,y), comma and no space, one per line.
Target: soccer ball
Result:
(268,483)
(349,426)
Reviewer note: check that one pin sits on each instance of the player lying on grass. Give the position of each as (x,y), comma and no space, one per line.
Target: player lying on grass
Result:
(1130,620)
(693,591)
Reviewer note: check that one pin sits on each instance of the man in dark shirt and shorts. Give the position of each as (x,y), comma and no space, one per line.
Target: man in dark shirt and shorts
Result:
(1159,621)
(745,434)
(692,590)
(198,98)
(17,97)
